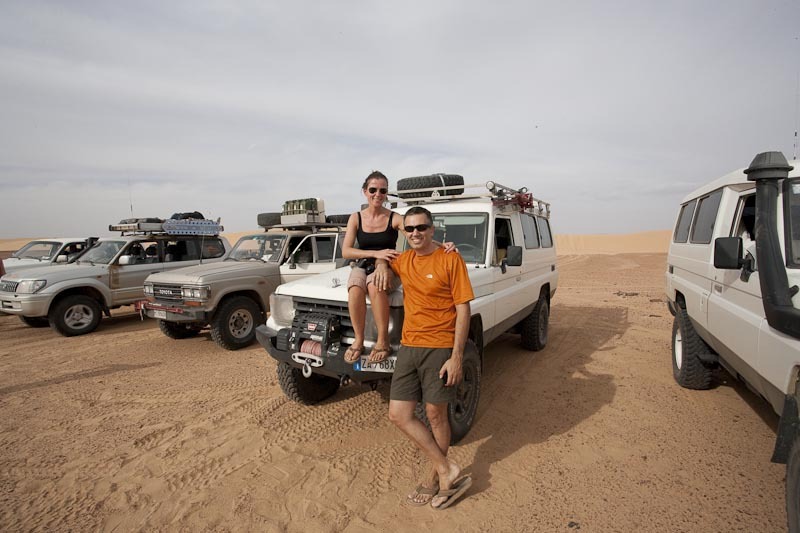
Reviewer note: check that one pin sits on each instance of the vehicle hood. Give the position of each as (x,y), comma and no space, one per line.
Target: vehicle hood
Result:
(55,273)
(329,286)
(14,263)
(211,272)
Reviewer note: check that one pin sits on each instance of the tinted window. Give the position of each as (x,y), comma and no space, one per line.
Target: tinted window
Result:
(792,213)
(182,251)
(684,221)
(544,231)
(529,231)
(212,248)
(703,226)
(325,249)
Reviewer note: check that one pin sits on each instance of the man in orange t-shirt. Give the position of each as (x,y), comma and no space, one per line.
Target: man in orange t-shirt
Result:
(436,293)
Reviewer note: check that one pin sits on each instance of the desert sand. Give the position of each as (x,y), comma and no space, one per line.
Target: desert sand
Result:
(125,429)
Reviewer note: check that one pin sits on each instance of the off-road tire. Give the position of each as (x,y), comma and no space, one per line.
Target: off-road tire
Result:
(306,391)
(234,323)
(534,327)
(461,412)
(268,219)
(426,182)
(76,314)
(687,346)
(35,321)
(337,219)
(179,330)
(793,487)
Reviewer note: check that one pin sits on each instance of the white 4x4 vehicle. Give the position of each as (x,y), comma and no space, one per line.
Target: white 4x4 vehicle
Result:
(232,296)
(71,298)
(45,252)
(505,239)
(733,272)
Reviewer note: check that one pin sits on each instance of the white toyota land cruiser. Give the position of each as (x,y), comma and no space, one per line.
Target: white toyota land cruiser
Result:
(505,239)
(732,280)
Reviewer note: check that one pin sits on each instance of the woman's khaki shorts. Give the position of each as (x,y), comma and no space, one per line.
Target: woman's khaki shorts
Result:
(416,375)
(359,278)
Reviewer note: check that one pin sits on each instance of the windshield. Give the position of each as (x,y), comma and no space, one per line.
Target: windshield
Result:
(466,230)
(793,222)
(263,246)
(102,252)
(42,250)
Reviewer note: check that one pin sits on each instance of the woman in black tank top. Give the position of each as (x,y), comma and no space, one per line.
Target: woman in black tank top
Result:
(375,228)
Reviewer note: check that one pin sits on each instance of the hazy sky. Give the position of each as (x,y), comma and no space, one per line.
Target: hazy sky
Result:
(612,111)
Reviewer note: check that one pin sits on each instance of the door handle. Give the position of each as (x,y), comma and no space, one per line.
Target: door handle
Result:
(519,278)
(718,288)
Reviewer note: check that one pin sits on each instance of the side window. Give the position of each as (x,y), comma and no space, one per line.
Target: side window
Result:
(703,227)
(529,231)
(325,248)
(137,252)
(304,253)
(792,214)
(212,248)
(745,223)
(503,238)
(684,221)
(544,231)
(182,250)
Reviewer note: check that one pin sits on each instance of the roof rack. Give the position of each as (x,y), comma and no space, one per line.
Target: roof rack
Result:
(312,226)
(499,195)
(169,227)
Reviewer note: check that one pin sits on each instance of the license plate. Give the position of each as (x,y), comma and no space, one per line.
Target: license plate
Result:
(387,365)
(159,314)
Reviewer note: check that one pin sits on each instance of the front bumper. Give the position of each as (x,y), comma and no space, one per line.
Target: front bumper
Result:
(31,305)
(333,365)
(171,313)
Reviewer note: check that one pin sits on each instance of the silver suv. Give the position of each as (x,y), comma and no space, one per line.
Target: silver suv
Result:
(732,279)
(232,296)
(504,237)
(71,298)
(45,252)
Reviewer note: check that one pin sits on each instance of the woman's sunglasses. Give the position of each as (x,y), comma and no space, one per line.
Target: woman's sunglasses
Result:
(373,190)
(419,227)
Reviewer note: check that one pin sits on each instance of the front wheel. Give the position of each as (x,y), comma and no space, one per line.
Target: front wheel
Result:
(179,330)
(300,389)
(234,324)
(535,326)
(687,367)
(462,410)
(77,314)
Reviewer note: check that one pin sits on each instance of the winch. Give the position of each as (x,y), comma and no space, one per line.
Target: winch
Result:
(320,327)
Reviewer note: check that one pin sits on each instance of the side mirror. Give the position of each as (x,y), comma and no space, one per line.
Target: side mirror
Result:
(125,260)
(514,256)
(728,253)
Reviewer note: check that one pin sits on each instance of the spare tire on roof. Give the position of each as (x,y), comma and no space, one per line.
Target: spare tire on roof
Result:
(427,182)
(196,215)
(268,219)
(337,219)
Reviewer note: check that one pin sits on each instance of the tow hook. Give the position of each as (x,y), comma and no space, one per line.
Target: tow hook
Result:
(308,361)
(344,380)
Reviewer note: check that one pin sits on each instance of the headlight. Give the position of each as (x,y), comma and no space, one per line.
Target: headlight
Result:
(31,286)
(148,289)
(194,293)
(281,308)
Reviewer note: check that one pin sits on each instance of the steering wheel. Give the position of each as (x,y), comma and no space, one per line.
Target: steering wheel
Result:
(466,247)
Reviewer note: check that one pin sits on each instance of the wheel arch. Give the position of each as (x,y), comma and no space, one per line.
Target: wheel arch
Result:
(91,292)
(247,293)
(476,334)
(789,423)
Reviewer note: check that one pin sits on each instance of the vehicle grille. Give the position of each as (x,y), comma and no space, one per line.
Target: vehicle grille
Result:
(8,286)
(167,293)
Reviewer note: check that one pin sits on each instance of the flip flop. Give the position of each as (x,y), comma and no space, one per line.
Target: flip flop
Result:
(424,491)
(452,494)
(353,354)
(374,356)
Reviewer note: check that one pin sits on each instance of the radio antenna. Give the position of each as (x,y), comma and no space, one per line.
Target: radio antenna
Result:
(130,195)
(796,107)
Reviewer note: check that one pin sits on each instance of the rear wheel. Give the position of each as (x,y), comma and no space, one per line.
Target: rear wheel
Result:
(534,327)
(687,367)
(234,324)
(304,390)
(179,330)
(77,314)
(35,321)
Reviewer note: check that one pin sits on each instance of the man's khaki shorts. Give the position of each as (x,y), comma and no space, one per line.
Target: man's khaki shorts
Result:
(416,375)
(359,278)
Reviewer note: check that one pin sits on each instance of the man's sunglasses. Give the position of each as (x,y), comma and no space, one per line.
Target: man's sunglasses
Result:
(373,190)
(419,227)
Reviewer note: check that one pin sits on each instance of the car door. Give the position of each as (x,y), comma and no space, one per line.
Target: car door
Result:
(126,276)
(735,309)
(315,254)
(506,281)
